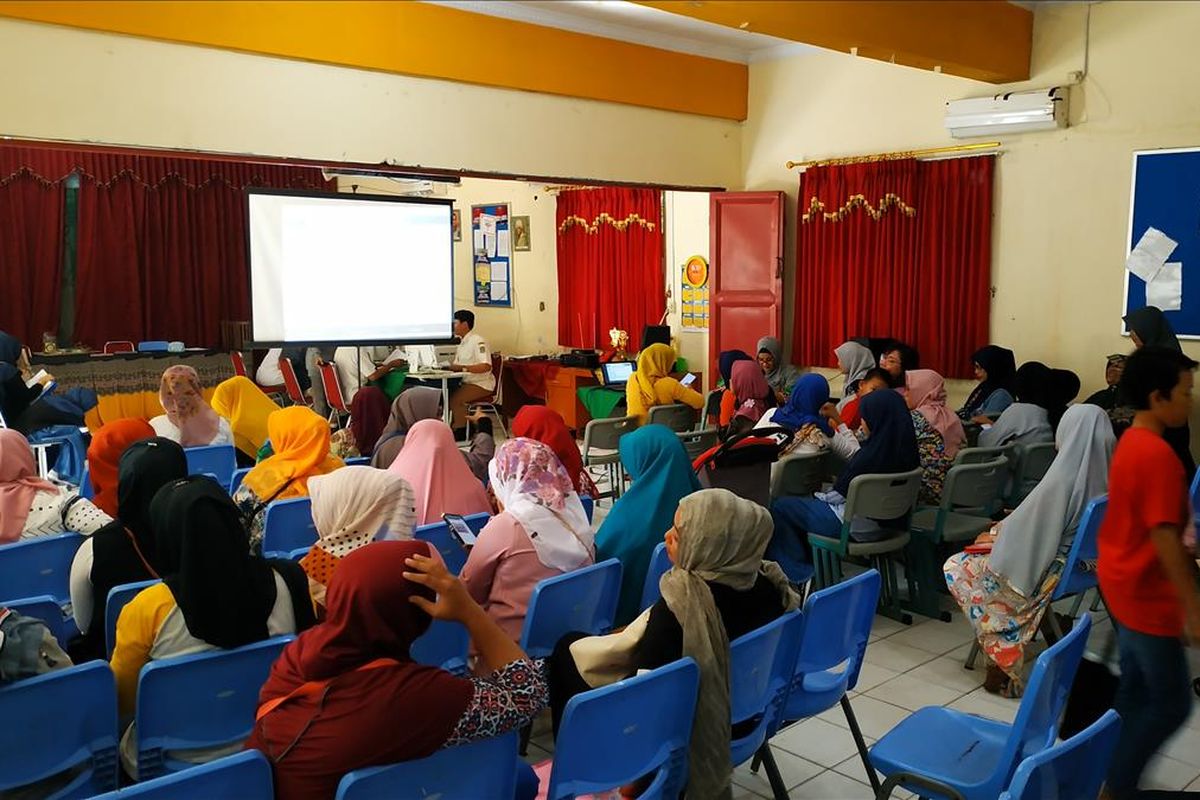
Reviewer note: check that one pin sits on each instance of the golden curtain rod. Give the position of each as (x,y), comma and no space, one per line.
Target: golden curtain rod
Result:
(929,151)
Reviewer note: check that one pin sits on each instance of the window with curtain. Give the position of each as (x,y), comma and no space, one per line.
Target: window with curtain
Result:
(610,264)
(897,248)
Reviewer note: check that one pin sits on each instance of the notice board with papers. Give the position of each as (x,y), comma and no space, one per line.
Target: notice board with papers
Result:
(491,253)
(1163,244)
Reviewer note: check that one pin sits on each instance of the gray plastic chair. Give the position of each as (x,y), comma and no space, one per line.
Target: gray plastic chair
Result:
(799,474)
(1032,462)
(697,442)
(978,455)
(601,439)
(676,416)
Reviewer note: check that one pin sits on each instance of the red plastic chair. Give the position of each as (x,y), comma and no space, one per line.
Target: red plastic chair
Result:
(333,394)
(291,384)
(491,404)
(239,364)
(119,346)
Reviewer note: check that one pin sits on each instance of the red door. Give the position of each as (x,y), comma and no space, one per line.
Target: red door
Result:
(746,247)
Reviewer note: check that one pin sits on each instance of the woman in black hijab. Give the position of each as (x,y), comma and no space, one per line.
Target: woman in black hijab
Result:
(1148,327)
(995,368)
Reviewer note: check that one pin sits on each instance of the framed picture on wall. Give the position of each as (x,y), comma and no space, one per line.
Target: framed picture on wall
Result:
(456,224)
(520,236)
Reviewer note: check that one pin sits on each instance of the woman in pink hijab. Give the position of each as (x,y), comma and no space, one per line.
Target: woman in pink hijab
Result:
(30,506)
(189,420)
(939,430)
(438,473)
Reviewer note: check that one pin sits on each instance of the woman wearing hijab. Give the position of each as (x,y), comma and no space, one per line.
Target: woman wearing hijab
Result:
(189,420)
(412,406)
(752,396)
(104,453)
(720,406)
(247,408)
(441,480)
(1027,421)
(348,695)
(1148,327)
(719,588)
(1005,593)
(124,550)
(300,442)
(854,360)
(651,384)
(548,427)
(541,531)
(662,475)
(995,368)
(940,433)
(1106,398)
(214,594)
(20,406)
(352,507)
(890,447)
(30,506)
(780,375)
(368,416)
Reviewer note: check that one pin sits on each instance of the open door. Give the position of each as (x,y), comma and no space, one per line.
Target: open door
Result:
(746,247)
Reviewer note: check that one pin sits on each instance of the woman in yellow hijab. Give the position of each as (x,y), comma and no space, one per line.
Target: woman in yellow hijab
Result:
(652,386)
(247,408)
(300,439)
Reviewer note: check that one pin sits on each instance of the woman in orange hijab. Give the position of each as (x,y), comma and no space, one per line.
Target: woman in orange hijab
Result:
(103,455)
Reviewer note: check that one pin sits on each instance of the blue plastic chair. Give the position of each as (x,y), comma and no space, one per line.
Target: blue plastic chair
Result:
(438,535)
(86,490)
(288,526)
(236,479)
(589,506)
(37,567)
(59,721)
(1074,768)
(118,597)
(583,600)
(645,725)
(219,460)
(761,666)
(444,645)
(834,630)
(660,562)
(199,701)
(1195,495)
(487,768)
(246,776)
(976,756)
(358,461)
(50,611)
(153,346)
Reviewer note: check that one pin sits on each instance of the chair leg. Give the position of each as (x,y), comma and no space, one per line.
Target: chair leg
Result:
(860,743)
(526,732)
(971,656)
(1078,602)
(778,787)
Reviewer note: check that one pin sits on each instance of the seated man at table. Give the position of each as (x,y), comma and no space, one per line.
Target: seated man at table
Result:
(474,359)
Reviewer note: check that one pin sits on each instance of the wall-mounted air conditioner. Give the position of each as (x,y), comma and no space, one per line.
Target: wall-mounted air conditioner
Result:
(1011,112)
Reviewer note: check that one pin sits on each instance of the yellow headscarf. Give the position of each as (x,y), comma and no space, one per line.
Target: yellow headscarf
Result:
(246,407)
(300,439)
(655,362)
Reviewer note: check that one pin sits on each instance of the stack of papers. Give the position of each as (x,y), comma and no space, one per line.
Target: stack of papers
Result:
(1164,280)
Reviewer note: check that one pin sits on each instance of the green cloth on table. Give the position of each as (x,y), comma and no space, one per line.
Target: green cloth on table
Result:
(601,401)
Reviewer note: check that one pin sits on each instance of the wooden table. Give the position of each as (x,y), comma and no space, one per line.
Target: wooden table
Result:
(562,397)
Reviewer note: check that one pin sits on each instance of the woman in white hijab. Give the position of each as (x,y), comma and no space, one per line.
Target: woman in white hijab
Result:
(1004,593)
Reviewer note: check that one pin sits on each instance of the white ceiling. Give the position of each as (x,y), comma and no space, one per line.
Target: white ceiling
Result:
(630,22)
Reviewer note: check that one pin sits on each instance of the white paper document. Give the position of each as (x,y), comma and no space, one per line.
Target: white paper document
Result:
(1165,290)
(479,242)
(499,292)
(502,243)
(500,271)
(487,224)
(1150,253)
(490,238)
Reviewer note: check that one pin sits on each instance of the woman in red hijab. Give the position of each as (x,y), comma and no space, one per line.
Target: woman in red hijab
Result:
(347,695)
(104,453)
(548,427)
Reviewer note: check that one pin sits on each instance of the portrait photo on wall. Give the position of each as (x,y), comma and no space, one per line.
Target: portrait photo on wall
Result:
(520,235)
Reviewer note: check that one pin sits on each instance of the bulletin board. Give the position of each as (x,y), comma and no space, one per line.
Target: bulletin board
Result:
(491,248)
(1166,196)
(693,295)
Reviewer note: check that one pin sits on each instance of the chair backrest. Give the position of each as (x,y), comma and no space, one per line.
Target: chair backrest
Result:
(199,701)
(219,460)
(245,775)
(1084,547)
(486,768)
(288,525)
(333,389)
(290,382)
(881,497)
(118,598)
(645,725)
(38,566)
(358,461)
(799,474)
(583,600)
(605,434)
(697,442)
(86,490)
(978,455)
(1071,769)
(58,721)
(1195,494)
(239,363)
(49,611)
(438,535)
(1031,463)
(761,666)
(118,346)
(589,506)
(153,346)
(498,376)
(444,645)
(236,479)
(676,416)
(660,562)
(977,485)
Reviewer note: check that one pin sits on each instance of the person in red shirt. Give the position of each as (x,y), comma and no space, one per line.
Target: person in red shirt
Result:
(875,378)
(1146,575)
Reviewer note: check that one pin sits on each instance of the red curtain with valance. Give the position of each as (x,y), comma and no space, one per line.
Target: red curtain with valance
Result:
(31,255)
(610,264)
(898,248)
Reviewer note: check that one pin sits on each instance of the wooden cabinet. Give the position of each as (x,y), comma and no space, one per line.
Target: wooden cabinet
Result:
(562,395)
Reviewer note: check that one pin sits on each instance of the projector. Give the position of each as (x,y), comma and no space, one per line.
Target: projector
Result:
(587,359)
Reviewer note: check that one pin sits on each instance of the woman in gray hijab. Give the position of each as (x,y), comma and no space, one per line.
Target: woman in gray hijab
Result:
(425,402)
(781,376)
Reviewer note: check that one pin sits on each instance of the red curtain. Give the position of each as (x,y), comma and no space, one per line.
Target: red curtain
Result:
(31,237)
(895,249)
(610,264)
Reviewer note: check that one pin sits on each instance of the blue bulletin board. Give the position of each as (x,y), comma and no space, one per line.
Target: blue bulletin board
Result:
(1166,195)
(491,253)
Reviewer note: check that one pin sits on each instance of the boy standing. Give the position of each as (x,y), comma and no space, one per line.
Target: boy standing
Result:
(1147,577)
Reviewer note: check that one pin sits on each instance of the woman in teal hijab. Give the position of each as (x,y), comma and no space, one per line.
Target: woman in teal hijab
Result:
(662,476)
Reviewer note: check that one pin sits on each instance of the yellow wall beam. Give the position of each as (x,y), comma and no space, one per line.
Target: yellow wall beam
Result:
(989,40)
(422,40)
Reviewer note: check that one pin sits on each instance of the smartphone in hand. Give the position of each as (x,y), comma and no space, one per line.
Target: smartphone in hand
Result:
(460,530)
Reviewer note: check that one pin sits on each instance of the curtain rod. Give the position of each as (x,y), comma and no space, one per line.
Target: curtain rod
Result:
(929,151)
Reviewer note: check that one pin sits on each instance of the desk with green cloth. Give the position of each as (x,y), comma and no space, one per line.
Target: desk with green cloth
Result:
(601,402)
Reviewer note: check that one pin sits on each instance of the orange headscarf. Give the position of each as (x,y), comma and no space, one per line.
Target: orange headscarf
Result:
(300,440)
(104,455)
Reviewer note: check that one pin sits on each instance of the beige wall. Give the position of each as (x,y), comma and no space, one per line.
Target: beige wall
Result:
(1062,200)
(686,231)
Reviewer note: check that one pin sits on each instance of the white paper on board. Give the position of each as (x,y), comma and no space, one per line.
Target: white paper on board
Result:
(500,271)
(502,243)
(1150,253)
(1166,289)
(479,243)
(490,244)
(499,292)
(487,223)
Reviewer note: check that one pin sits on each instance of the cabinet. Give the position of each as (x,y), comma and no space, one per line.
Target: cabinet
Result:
(561,395)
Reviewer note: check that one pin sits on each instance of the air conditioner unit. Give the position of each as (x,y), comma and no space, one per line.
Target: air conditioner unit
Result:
(1012,112)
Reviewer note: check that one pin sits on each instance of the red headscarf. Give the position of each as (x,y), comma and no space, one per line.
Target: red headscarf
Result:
(353,723)
(750,390)
(369,412)
(548,427)
(19,482)
(104,455)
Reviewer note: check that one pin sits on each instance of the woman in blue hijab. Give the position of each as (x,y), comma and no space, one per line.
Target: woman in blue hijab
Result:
(662,476)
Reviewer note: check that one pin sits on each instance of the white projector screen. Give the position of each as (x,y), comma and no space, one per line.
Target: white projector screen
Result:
(330,268)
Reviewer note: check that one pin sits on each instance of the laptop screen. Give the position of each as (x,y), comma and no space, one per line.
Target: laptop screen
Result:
(617,372)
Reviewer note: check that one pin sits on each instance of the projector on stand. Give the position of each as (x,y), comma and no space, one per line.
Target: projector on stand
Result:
(586,359)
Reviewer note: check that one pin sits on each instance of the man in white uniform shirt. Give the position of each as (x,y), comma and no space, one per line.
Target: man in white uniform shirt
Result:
(474,359)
